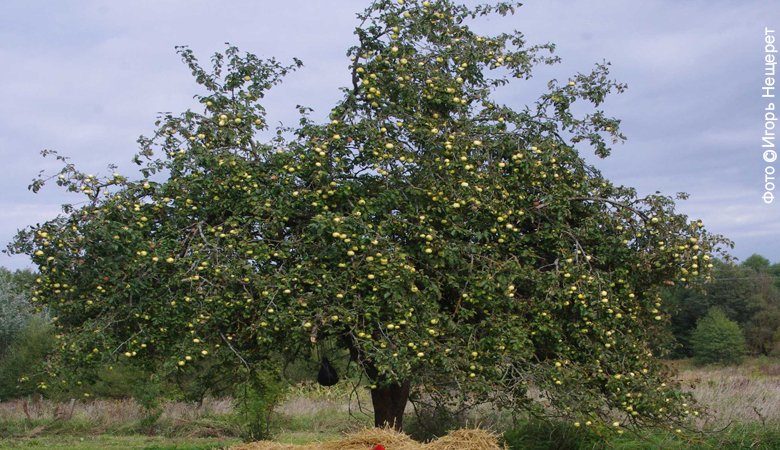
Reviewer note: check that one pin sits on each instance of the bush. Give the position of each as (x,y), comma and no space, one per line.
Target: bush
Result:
(148,393)
(717,340)
(257,398)
(538,434)
(15,308)
(24,358)
(432,421)
(120,380)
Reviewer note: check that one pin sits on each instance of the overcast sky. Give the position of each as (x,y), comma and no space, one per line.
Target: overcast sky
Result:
(86,78)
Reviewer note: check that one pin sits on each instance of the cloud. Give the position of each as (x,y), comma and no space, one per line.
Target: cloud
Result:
(88,77)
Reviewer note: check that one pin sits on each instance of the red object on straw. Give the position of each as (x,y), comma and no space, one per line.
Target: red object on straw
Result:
(378,447)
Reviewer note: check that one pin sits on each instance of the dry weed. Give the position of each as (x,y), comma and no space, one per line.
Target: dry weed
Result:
(746,393)
(110,413)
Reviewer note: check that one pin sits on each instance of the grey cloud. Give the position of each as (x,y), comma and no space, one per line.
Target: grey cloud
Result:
(88,77)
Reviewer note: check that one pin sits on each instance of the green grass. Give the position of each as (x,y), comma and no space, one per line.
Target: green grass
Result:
(80,427)
(310,413)
(557,436)
(326,425)
(100,442)
(530,436)
(305,437)
(313,418)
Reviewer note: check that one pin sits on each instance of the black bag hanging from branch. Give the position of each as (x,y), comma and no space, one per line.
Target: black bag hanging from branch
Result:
(327,375)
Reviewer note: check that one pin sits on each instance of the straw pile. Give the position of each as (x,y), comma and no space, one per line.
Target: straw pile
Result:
(465,439)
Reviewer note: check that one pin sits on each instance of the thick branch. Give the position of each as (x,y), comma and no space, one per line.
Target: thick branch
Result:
(614,203)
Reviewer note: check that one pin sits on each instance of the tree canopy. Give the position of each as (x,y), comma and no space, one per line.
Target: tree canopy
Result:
(745,293)
(15,308)
(454,245)
(718,339)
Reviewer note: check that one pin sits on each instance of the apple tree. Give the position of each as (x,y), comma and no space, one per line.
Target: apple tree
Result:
(460,249)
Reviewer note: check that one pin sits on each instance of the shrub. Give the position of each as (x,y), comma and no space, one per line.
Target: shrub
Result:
(717,340)
(15,308)
(538,434)
(433,421)
(24,357)
(120,380)
(256,400)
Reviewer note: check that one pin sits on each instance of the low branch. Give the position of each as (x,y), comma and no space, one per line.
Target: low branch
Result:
(614,203)
(234,351)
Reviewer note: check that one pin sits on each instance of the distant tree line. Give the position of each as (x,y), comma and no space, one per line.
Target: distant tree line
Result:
(744,297)
(26,336)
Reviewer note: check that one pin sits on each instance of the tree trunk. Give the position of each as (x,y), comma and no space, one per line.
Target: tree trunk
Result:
(389,400)
(389,405)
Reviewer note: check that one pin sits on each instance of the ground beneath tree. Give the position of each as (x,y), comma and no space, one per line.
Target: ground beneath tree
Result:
(376,438)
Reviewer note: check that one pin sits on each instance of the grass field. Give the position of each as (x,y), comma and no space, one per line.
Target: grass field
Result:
(744,402)
(99,442)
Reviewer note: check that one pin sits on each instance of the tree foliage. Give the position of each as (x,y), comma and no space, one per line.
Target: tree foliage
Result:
(19,367)
(454,245)
(15,307)
(746,293)
(757,262)
(718,339)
